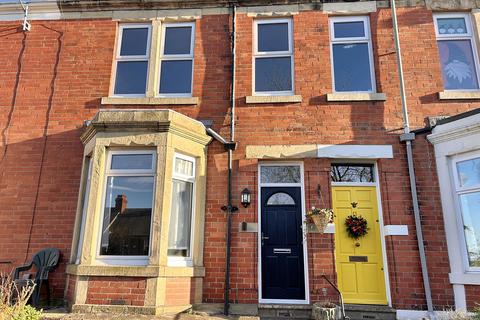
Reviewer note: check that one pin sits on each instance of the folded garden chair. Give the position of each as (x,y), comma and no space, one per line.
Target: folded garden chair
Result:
(44,261)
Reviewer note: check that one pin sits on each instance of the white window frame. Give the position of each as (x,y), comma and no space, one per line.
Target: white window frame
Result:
(366,39)
(126,260)
(185,261)
(458,191)
(175,57)
(468,36)
(119,58)
(274,54)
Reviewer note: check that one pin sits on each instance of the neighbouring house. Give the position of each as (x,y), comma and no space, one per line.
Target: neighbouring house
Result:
(171,150)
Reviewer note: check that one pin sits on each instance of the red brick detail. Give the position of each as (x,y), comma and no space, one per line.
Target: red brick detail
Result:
(116,291)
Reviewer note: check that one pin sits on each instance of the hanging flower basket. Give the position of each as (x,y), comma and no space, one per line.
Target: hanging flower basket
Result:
(320,217)
(356,226)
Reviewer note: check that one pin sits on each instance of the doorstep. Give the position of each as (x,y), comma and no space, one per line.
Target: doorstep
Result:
(370,312)
(284,311)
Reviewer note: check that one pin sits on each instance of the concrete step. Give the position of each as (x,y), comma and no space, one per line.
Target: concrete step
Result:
(284,311)
(370,312)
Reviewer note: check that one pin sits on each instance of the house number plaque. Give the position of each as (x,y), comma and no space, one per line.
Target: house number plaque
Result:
(358,258)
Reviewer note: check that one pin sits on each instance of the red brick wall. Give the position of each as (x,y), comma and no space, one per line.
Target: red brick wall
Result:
(116,291)
(49,86)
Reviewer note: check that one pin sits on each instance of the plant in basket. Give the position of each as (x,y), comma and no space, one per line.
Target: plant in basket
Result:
(320,217)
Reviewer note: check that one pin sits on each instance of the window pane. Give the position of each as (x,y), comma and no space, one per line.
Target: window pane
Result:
(458,65)
(469,172)
(351,64)
(470,204)
(349,29)
(131,161)
(273,74)
(451,26)
(131,77)
(280,198)
(127,216)
(352,173)
(280,174)
(134,42)
(183,167)
(176,76)
(180,219)
(177,40)
(273,37)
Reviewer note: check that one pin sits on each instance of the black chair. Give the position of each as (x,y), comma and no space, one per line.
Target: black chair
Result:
(44,261)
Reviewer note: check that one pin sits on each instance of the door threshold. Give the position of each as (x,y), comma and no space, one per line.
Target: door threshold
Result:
(282,302)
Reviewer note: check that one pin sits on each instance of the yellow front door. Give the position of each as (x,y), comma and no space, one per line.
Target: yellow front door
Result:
(359,263)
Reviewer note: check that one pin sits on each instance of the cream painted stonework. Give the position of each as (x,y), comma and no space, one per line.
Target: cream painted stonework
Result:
(167,132)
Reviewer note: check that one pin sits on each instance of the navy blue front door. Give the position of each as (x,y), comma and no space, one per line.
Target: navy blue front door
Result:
(282,244)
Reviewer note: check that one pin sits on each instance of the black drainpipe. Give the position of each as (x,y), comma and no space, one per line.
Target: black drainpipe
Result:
(229,208)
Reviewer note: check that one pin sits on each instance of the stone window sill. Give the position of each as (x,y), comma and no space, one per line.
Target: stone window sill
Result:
(338,97)
(151,101)
(134,271)
(274,99)
(459,95)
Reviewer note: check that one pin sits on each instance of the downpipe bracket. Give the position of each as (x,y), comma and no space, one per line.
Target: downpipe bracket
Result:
(229,208)
(410,136)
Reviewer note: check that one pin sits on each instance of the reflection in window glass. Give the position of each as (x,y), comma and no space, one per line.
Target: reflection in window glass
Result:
(353,29)
(469,172)
(134,42)
(131,161)
(273,57)
(458,64)
(176,67)
(176,77)
(273,37)
(280,198)
(352,173)
(351,64)
(177,40)
(273,74)
(280,174)
(131,77)
(470,205)
(127,216)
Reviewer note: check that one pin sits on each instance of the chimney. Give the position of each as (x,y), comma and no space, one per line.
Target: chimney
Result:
(121,203)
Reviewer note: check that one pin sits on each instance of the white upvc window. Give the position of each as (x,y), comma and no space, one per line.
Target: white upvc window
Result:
(458,51)
(181,229)
(128,203)
(176,66)
(352,55)
(273,72)
(466,178)
(132,60)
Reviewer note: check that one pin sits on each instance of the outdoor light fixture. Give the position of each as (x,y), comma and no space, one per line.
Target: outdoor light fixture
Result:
(245,198)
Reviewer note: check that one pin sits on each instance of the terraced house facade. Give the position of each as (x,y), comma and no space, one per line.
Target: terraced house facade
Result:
(171,150)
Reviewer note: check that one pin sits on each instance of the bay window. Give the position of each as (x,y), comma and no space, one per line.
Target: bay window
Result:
(128,205)
(181,216)
(467,188)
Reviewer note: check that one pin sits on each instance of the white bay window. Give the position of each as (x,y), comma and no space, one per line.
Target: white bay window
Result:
(181,217)
(128,206)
